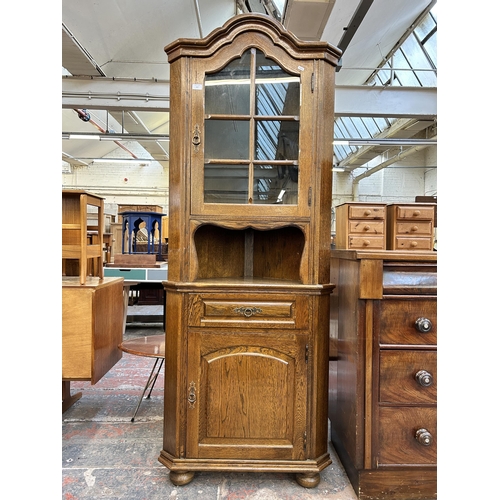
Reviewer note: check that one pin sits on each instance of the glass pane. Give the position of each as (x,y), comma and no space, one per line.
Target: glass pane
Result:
(275,140)
(277,91)
(425,27)
(226,139)
(430,47)
(275,184)
(226,183)
(407,78)
(228,91)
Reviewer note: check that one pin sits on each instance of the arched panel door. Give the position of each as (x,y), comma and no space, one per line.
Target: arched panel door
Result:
(246,396)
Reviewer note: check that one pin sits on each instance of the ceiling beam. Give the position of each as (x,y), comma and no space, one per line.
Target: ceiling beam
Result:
(396,102)
(115,94)
(154,95)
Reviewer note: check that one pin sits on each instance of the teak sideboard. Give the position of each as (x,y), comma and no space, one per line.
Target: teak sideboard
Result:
(383,383)
(92,328)
(248,291)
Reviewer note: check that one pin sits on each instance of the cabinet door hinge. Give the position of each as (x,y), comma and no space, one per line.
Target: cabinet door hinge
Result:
(307,353)
(304,446)
(312,83)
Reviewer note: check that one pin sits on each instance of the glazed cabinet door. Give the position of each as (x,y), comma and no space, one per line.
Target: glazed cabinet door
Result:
(246,395)
(249,127)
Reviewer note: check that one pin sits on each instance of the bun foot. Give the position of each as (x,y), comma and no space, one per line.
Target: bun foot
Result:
(308,480)
(181,478)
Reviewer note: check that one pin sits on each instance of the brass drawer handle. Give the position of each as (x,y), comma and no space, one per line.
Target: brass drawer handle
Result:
(247,311)
(423,325)
(424,378)
(424,437)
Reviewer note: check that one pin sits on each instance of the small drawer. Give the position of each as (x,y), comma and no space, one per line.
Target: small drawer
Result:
(371,242)
(407,436)
(409,243)
(132,274)
(423,228)
(408,377)
(211,310)
(415,212)
(406,322)
(366,212)
(366,227)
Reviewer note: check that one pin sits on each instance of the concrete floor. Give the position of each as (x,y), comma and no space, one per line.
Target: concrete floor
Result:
(105,455)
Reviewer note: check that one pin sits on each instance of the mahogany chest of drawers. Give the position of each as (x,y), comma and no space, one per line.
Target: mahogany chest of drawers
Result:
(383,382)
(361,226)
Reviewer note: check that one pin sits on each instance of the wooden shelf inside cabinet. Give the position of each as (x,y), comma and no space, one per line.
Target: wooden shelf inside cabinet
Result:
(75,241)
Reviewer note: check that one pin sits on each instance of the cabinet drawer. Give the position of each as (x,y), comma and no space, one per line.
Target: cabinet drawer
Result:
(371,242)
(127,274)
(423,228)
(366,227)
(408,377)
(397,436)
(288,311)
(398,321)
(409,243)
(366,212)
(414,212)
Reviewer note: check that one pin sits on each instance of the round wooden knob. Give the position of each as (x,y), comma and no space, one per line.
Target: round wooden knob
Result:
(366,243)
(413,244)
(423,325)
(424,378)
(368,212)
(416,213)
(366,228)
(414,228)
(424,437)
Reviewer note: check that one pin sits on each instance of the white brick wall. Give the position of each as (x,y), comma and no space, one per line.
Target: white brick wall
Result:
(124,184)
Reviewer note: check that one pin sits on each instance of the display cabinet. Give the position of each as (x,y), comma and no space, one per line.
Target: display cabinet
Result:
(247,296)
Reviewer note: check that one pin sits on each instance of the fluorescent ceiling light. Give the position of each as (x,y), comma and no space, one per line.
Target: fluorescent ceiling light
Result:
(117,137)
(385,142)
(83,136)
(139,161)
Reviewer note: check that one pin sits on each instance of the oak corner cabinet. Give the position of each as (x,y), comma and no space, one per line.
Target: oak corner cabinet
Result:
(383,382)
(248,291)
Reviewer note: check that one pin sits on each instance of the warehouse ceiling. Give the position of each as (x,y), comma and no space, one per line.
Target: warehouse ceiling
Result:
(120,45)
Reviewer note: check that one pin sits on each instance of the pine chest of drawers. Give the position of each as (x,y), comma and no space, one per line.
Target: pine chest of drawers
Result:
(361,226)
(383,383)
(410,226)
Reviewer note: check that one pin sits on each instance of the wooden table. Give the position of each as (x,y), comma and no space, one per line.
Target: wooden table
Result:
(152,346)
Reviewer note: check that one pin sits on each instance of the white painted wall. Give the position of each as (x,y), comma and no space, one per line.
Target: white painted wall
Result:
(121,183)
(400,182)
(124,184)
